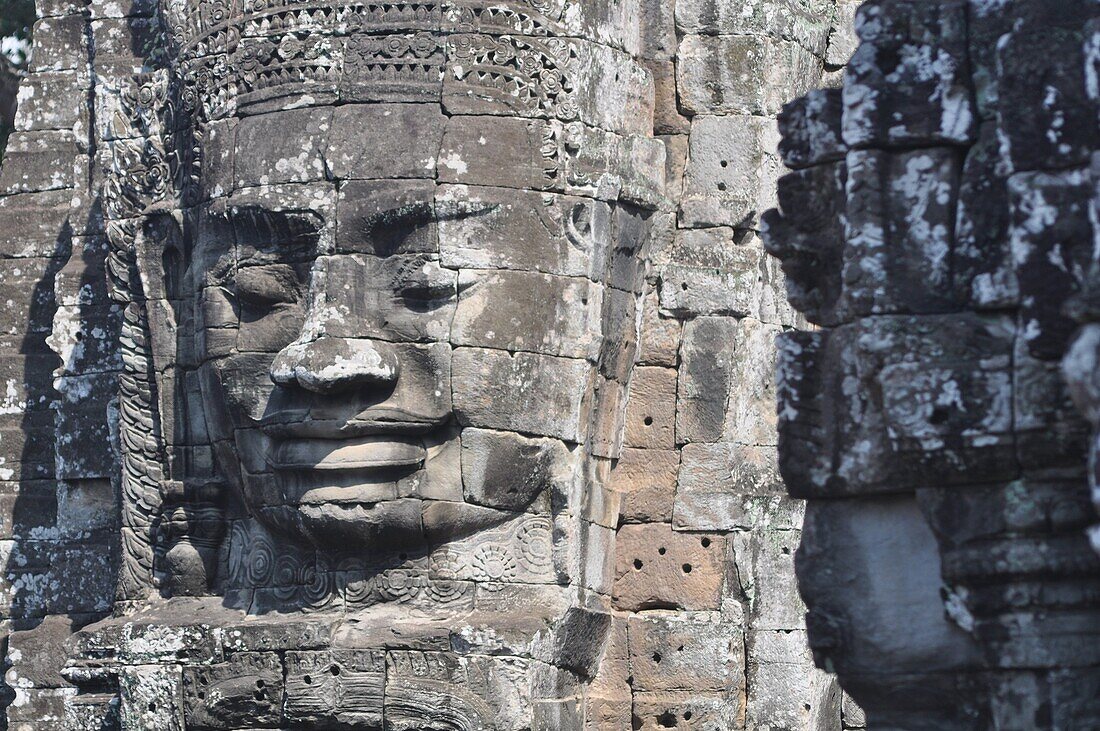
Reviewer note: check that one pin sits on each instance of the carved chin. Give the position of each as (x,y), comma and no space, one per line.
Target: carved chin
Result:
(388,525)
(394,524)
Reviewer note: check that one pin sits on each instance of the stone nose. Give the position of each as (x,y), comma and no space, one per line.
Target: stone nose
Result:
(331,365)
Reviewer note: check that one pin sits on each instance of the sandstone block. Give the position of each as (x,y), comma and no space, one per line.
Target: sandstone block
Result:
(646,478)
(685,651)
(731,171)
(387,217)
(281,147)
(660,336)
(651,408)
(765,571)
(40,161)
(510,472)
(806,23)
(726,393)
(656,568)
(524,392)
(61,43)
(742,74)
(785,689)
(903,203)
(526,311)
(515,153)
(713,271)
(384,141)
(726,486)
(502,228)
(891,95)
(46,101)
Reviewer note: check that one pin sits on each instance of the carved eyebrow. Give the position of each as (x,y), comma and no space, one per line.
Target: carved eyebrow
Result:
(420,212)
(449,210)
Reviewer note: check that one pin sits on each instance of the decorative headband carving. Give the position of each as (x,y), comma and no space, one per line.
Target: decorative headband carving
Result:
(527,57)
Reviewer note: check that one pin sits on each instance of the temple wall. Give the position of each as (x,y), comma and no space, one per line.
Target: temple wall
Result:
(708,626)
(59,514)
(706,465)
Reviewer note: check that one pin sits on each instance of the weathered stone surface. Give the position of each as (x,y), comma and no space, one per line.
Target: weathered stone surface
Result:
(742,74)
(803,22)
(732,166)
(510,472)
(799,695)
(714,271)
(727,486)
(542,313)
(390,141)
(651,410)
(721,391)
(908,82)
(551,391)
(501,228)
(647,480)
(324,340)
(656,568)
(689,651)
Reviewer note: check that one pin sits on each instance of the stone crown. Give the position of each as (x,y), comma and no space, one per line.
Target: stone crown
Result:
(526,56)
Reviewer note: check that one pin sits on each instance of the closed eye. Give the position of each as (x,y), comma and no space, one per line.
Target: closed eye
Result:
(267,285)
(425,281)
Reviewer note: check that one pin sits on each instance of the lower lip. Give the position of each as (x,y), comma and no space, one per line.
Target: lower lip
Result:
(367,453)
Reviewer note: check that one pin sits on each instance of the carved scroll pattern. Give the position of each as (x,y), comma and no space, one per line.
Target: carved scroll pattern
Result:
(139,180)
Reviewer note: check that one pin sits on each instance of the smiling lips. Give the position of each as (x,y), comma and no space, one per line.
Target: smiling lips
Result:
(363,454)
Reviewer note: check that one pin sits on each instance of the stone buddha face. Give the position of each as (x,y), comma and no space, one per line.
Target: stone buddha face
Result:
(417,283)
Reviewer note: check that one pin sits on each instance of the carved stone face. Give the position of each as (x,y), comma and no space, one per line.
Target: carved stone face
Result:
(412,326)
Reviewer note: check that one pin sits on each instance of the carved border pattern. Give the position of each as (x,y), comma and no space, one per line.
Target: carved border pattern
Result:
(138,180)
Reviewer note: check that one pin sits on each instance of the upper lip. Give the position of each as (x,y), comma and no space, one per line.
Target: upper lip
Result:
(368,453)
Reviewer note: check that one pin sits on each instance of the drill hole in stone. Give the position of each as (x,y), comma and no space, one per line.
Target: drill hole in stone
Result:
(684,286)
(687,715)
(657,658)
(687,568)
(334,671)
(308,680)
(722,187)
(638,564)
(725,163)
(662,550)
(705,543)
(667,720)
(152,708)
(260,684)
(648,421)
